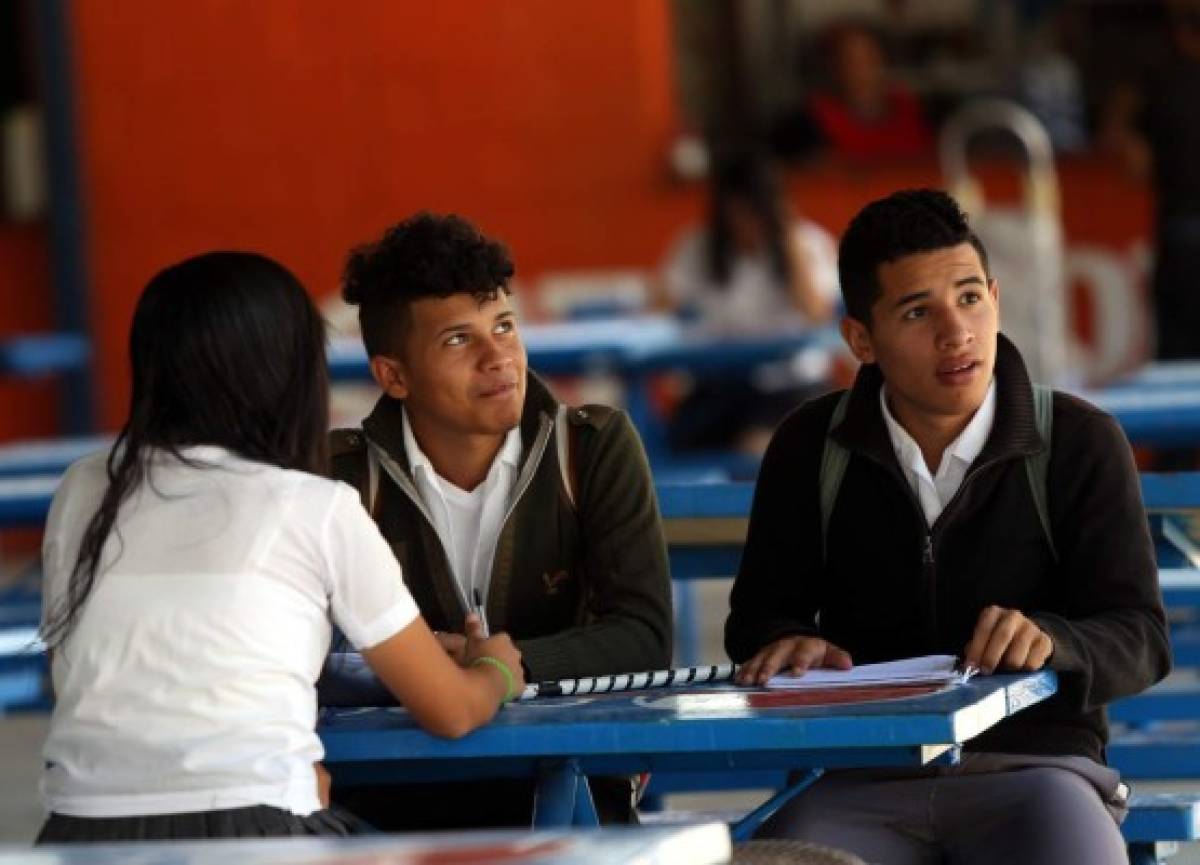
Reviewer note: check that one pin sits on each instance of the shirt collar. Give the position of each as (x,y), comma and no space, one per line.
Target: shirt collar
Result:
(509,454)
(965,448)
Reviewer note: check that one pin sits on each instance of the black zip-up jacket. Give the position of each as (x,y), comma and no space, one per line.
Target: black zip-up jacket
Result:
(892,586)
(583,588)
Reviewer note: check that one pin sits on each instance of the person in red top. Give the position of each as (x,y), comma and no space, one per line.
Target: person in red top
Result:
(863,115)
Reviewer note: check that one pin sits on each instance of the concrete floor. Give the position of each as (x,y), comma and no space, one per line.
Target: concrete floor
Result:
(21,742)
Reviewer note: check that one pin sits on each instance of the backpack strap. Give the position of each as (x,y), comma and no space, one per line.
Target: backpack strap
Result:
(1037,465)
(351,444)
(834,458)
(371,493)
(566,443)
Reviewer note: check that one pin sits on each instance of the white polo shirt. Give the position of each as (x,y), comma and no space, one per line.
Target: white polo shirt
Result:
(188,681)
(468,523)
(936,490)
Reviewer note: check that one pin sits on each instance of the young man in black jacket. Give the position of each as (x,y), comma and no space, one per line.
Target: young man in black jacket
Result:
(934,544)
(496,496)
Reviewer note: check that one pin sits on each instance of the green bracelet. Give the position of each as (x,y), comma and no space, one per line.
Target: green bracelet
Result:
(511,690)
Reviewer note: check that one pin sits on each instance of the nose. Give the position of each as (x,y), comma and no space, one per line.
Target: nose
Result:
(498,354)
(953,328)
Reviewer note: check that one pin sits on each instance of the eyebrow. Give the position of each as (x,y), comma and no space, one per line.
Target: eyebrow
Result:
(909,298)
(454,328)
(921,295)
(464,326)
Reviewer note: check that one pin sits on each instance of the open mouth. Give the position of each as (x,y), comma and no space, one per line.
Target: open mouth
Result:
(958,371)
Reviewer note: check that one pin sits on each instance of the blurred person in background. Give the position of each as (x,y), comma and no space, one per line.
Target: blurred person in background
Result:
(754,268)
(1153,125)
(861,113)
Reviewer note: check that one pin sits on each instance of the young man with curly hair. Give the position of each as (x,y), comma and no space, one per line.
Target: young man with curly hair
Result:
(936,543)
(494,494)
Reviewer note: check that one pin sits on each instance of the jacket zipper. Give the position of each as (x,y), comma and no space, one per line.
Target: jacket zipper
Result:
(928,556)
(405,484)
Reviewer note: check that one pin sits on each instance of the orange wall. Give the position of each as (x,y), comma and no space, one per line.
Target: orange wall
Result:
(300,129)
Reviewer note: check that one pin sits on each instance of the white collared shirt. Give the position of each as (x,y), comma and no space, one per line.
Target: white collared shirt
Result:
(467,523)
(935,491)
(188,680)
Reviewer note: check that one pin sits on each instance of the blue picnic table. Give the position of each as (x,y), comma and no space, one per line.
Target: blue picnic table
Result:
(559,741)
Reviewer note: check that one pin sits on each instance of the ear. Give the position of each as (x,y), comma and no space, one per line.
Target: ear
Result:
(858,338)
(994,291)
(390,375)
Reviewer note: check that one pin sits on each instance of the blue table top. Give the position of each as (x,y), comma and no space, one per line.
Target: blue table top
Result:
(694,729)
(706,844)
(35,354)
(1153,416)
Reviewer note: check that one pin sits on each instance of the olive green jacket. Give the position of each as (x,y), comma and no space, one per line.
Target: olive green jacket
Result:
(580,577)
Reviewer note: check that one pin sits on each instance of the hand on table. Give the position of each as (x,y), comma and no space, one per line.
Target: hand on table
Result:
(797,653)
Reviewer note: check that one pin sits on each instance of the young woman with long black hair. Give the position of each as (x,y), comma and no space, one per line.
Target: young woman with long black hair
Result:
(191,574)
(755,269)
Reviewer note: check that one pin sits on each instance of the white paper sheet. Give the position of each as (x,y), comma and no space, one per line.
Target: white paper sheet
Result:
(928,669)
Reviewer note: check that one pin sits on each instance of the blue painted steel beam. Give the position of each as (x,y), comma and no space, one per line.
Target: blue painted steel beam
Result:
(71,296)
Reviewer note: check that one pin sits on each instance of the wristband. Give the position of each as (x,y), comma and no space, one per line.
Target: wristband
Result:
(510,690)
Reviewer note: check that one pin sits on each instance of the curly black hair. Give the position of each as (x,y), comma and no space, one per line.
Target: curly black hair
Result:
(426,255)
(904,223)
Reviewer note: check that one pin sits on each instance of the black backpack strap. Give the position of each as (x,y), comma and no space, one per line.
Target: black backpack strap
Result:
(566,445)
(834,458)
(1037,465)
(570,442)
(349,447)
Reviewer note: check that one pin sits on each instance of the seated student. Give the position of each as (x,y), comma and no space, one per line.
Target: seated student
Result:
(191,573)
(492,492)
(934,544)
(861,113)
(755,268)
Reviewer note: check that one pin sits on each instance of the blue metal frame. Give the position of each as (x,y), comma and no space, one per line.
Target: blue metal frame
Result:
(66,201)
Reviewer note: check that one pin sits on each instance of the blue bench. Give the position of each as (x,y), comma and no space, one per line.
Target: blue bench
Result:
(1157,823)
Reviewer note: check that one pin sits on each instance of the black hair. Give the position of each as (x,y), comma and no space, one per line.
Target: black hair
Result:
(903,223)
(750,182)
(226,349)
(426,255)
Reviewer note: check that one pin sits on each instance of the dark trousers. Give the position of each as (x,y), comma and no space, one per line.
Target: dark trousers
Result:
(992,809)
